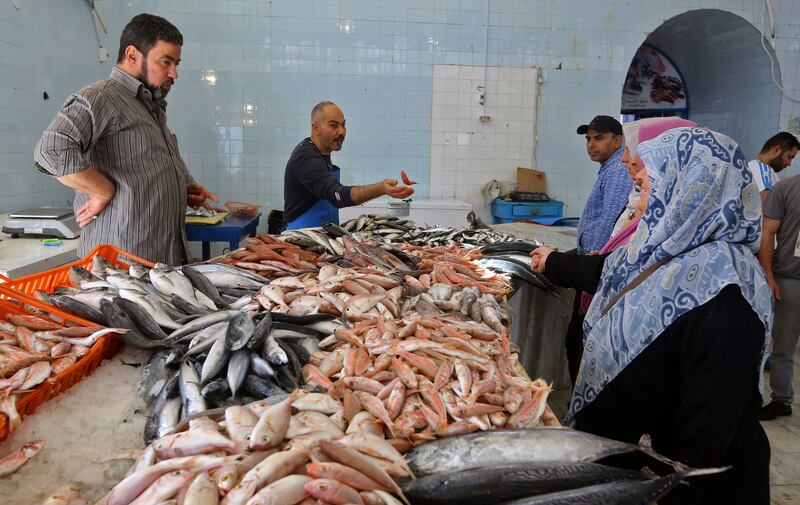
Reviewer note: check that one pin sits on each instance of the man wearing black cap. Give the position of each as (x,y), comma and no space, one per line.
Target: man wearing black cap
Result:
(606,201)
(610,192)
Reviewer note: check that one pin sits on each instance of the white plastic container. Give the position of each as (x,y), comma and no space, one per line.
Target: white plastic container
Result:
(423,212)
(398,208)
(440,213)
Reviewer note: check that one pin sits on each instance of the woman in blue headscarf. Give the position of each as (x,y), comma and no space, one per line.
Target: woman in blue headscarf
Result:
(675,336)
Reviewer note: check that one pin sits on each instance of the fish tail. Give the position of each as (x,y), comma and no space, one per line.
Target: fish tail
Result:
(697,472)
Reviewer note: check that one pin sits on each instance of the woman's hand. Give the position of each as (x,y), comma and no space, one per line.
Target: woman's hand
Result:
(538,258)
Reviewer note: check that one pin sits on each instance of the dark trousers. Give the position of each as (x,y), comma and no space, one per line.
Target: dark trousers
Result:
(574,339)
(695,391)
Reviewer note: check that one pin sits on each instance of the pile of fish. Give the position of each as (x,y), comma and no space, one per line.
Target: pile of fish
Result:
(545,466)
(446,236)
(32,350)
(349,293)
(393,230)
(383,225)
(271,257)
(213,347)
(425,377)
(310,448)
(158,306)
(239,359)
(456,266)
(356,294)
(299,450)
(447,259)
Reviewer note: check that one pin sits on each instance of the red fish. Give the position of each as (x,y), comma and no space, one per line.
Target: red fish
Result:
(406,180)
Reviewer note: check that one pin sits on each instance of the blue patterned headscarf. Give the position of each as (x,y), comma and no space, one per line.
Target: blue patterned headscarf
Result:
(704,218)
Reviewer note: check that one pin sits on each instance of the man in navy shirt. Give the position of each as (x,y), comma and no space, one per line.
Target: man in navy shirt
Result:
(312,193)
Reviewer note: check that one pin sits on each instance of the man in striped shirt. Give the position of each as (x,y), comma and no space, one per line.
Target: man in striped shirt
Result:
(111,144)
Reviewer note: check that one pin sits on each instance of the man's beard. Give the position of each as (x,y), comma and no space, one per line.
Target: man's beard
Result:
(775,163)
(159,91)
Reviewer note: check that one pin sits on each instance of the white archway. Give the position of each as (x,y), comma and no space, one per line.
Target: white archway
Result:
(727,74)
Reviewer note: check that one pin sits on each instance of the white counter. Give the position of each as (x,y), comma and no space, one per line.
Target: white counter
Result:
(562,238)
(25,256)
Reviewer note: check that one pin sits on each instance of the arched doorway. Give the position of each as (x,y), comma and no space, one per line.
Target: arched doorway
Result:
(726,74)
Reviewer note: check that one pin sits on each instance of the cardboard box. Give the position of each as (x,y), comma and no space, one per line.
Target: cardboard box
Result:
(531,181)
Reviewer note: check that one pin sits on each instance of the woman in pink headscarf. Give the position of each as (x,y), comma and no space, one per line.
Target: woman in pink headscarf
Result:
(635,132)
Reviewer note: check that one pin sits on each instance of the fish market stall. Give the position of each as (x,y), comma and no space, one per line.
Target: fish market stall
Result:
(321,364)
(540,320)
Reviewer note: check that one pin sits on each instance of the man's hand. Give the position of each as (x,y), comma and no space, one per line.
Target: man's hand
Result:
(391,188)
(96,186)
(539,258)
(774,289)
(197,196)
(94,206)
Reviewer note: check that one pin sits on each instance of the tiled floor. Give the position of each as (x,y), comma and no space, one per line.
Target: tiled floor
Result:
(784,438)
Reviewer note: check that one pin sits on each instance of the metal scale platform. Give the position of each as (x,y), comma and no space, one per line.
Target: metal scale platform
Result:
(45,221)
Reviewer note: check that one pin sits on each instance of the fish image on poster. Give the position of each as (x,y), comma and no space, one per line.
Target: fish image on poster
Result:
(652,82)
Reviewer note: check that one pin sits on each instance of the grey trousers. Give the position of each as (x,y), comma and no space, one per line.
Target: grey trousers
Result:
(785,330)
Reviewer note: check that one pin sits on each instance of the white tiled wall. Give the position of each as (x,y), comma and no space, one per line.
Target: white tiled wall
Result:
(467,152)
(45,47)
(375,58)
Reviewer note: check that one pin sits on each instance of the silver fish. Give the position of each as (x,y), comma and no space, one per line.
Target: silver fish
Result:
(261,367)
(152,306)
(217,358)
(189,384)
(205,338)
(203,322)
(274,353)
(240,330)
(226,276)
(169,281)
(237,369)
(494,448)
(138,271)
(489,485)
(616,493)
(169,416)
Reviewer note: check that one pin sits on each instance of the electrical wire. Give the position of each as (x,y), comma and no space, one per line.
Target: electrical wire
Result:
(767,5)
(486,57)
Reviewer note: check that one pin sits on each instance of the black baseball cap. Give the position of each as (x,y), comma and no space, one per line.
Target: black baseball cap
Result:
(602,124)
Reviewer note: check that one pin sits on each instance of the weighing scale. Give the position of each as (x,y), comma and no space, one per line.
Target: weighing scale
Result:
(44,221)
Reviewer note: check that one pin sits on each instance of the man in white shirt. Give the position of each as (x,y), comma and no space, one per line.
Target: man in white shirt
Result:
(777,154)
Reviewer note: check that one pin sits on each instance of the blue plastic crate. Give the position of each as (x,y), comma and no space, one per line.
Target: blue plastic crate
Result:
(539,212)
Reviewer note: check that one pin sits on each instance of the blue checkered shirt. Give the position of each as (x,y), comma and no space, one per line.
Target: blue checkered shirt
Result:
(606,201)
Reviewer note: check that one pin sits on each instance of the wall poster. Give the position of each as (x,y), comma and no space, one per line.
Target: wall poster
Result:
(652,82)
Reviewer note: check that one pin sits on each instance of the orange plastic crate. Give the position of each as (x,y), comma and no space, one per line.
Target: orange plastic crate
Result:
(24,287)
(16,296)
(27,403)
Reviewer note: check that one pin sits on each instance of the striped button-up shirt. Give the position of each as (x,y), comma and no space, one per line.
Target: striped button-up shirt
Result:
(115,126)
